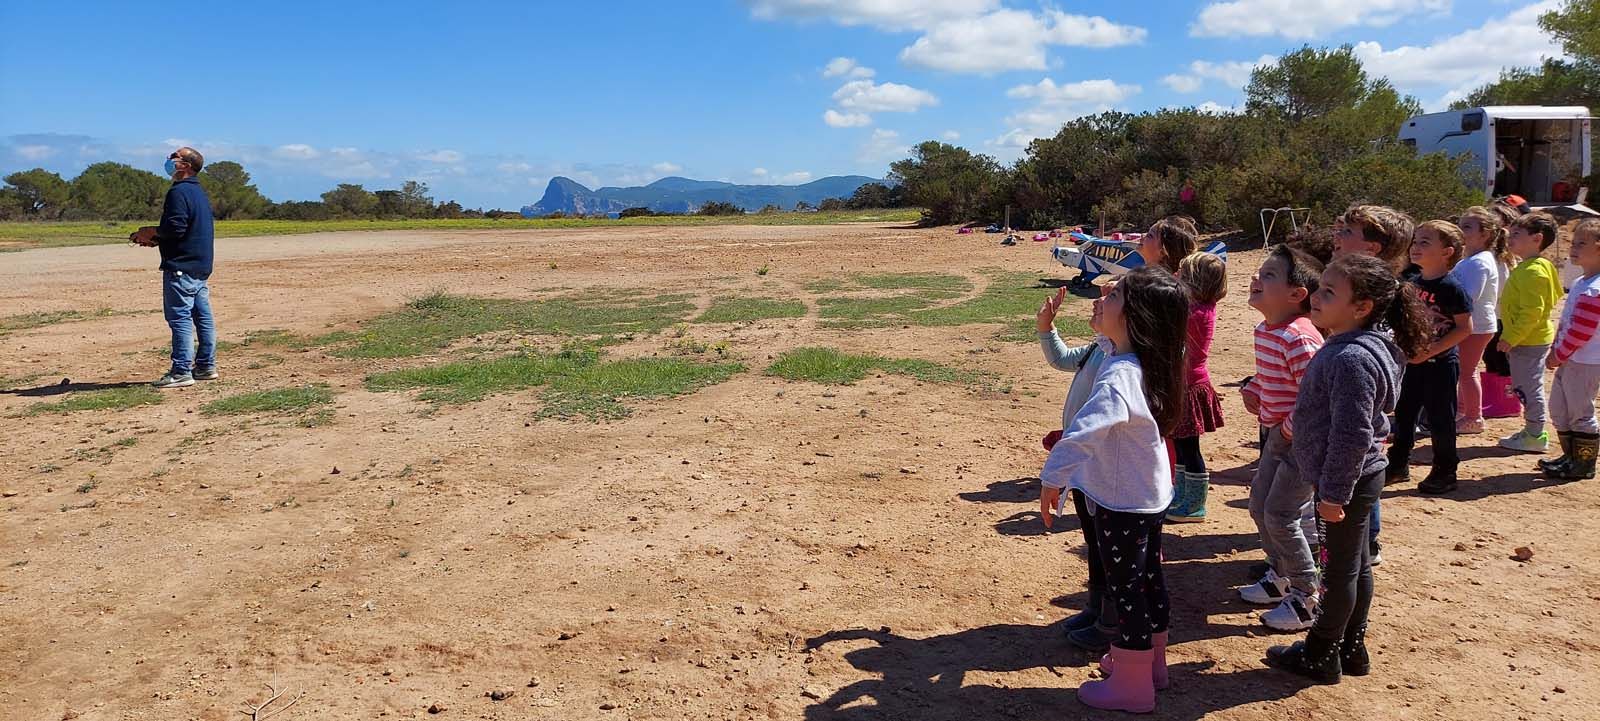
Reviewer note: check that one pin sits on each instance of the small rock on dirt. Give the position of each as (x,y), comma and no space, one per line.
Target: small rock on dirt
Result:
(334,472)
(1461,546)
(436,708)
(812,692)
(1522,554)
(567,636)
(500,694)
(607,706)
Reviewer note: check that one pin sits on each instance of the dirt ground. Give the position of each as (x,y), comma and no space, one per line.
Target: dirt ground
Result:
(758,549)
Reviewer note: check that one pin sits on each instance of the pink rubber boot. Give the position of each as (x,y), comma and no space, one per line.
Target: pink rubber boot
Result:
(1129,689)
(1158,661)
(1499,401)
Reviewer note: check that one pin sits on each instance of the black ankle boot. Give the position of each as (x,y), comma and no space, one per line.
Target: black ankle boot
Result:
(1314,658)
(1353,659)
(1097,636)
(1090,613)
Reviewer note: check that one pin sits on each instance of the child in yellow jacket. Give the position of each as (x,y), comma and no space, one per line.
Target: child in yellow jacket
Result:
(1530,294)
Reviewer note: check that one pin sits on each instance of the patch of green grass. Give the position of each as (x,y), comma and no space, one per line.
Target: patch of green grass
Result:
(597,392)
(8,383)
(577,383)
(26,235)
(271,338)
(316,419)
(430,323)
(100,400)
(469,381)
(826,285)
(735,309)
(279,400)
(868,312)
(1011,299)
(27,321)
(832,367)
(915,281)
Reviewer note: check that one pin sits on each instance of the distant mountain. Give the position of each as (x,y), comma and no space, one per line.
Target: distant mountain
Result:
(683,195)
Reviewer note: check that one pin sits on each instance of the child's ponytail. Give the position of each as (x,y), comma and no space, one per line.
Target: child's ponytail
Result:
(1408,316)
(1493,223)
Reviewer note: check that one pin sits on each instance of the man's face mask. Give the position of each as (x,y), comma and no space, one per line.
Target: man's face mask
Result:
(171,167)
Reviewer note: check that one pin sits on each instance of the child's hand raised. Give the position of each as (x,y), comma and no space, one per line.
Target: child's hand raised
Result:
(1046,320)
(1048,497)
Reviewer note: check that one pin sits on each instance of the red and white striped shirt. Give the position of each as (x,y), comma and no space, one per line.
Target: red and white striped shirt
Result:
(1282,354)
(1578,323)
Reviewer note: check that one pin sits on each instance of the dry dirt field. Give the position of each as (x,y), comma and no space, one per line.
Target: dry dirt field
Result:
(759,548)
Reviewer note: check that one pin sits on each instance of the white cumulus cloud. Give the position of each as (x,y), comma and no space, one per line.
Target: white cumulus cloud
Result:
(950,135)
(1234,74)
(1460,62)
(846,66)
(836,119)
(666,168)
(449,157)
(866,96)
(1012,40)
(296,151)
(34,152)
(795,178)
(1304,19)
(1055,104)
(882,146)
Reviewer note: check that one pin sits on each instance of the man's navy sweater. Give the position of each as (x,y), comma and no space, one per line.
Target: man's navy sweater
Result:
(185,235)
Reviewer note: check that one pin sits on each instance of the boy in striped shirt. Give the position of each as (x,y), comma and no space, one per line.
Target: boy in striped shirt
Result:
(1280,500)
(1576,358)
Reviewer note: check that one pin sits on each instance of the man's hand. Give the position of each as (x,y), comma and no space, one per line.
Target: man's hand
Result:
(1330,512)
(145,236)
(1048,497)
(1045,321)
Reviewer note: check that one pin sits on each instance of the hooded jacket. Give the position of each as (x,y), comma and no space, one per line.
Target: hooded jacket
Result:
(1339,421)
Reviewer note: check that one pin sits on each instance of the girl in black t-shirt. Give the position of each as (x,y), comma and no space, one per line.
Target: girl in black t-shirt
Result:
(1429,383)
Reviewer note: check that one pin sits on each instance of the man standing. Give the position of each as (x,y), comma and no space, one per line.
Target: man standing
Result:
(185,239)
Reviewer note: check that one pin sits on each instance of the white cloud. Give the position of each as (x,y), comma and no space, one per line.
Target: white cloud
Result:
(795,178)
(867,96)
(950,135)
(514,167)
(882,146)
(1234,74)
(296,151)
(759,173)
(836,119)
(1012,40)
(34,152)
(1304,19)
(1463,61)
(665,168)
(892,15)
(1056,104)
(846,66)
(441,156)
(1214,107)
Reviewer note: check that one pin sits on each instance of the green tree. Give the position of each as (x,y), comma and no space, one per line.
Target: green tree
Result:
(232,195)
(300,210)
(1308,83)
(449,209)
(349,200)
(872,195)
(414,200)
(951,184)
(1577,25)
(830,205)
(38,193)
(390,204)
(114,191)
(717,207)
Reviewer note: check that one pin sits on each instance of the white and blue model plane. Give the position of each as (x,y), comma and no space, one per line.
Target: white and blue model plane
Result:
(1094,257)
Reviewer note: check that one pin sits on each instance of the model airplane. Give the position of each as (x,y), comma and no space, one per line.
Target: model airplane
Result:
(1094,257)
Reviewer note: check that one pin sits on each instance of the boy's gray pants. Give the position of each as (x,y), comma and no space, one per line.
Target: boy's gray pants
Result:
(1281,504)
(1572,398)
(1527,378)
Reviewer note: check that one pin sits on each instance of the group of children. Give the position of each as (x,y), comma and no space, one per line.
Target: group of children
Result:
(1361,337)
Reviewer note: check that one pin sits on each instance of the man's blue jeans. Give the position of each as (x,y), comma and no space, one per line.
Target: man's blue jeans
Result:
(186,301)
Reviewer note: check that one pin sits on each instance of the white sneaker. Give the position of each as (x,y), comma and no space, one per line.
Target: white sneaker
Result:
(1269,590)
(1527,442)
(1297,612)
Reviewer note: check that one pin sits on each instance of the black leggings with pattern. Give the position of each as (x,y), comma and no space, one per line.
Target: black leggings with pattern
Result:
(1130,554)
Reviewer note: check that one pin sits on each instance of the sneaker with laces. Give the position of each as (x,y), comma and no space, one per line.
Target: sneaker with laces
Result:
(1270,590)
(1527,442)
(205,374)
(1297,612)
(174,380)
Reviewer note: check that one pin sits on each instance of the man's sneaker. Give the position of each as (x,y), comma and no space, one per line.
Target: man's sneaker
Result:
(1527,442)
(174,380)
(205,374)
(1297,612)
(1374,554)
(1437,483)
(1270,590)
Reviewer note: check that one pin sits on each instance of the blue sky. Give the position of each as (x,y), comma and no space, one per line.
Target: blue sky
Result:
(486,101)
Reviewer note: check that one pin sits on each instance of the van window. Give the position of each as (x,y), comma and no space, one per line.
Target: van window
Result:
(1471,121)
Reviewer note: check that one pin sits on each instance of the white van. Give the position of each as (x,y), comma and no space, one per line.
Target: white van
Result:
(1540,153)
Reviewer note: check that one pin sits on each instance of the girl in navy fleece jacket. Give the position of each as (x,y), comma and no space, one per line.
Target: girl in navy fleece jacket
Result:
(1339,429)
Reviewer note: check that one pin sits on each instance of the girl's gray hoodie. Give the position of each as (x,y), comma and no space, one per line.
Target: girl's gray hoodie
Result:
(1339,422)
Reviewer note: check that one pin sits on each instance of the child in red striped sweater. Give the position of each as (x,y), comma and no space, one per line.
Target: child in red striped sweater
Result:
(1280,498)
(1576,358)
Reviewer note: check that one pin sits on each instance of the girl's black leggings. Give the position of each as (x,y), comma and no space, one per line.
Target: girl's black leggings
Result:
(1129,546)
(1347,575)
(1188,455)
